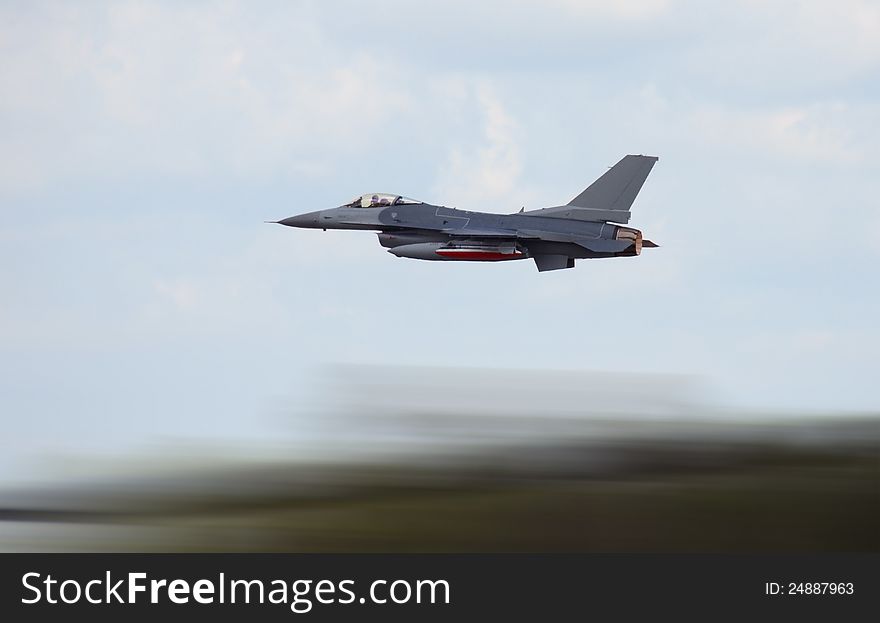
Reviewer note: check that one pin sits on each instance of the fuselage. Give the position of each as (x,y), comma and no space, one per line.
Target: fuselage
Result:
(436,226)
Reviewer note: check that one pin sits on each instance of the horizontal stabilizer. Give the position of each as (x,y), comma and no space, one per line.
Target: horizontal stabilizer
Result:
(603,245)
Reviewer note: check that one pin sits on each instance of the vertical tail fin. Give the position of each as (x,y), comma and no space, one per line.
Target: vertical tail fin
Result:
(618,186)
(608,198)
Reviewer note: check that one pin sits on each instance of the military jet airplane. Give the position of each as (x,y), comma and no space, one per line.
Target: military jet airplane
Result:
(554,237)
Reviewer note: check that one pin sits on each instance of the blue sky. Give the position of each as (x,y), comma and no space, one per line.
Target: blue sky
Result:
(144,144)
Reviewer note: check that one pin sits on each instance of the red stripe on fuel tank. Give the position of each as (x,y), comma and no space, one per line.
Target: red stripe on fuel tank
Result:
(477,255)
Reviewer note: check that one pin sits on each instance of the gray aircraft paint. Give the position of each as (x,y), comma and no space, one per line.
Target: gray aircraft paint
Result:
(554,237)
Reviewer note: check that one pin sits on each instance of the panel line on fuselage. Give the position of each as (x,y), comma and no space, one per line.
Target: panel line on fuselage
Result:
(466,219)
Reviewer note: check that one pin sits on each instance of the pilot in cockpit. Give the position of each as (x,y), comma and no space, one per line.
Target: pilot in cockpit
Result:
(379,199)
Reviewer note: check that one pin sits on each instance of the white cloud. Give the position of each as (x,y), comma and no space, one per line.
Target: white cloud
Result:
(486,171)
(846,31)
(181,294)
(622,9)
(169,89)
(815,132)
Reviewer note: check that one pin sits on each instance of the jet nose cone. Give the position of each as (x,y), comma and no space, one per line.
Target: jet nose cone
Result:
(302,220)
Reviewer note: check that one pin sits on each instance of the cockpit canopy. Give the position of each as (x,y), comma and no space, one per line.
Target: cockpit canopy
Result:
(375,200)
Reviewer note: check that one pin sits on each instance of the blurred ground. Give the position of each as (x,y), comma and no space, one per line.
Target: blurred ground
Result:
(413,475)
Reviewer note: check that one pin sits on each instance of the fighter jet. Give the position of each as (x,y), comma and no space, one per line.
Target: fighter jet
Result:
(553,237)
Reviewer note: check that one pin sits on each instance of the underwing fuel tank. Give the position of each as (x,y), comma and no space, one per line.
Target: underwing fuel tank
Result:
(389,240)
(460,252)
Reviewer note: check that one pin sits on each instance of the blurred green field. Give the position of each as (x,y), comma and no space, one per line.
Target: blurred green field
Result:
(775,501)
(792,487)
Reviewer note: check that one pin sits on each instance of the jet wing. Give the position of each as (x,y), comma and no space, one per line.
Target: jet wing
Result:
(598,245)
(482,233)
